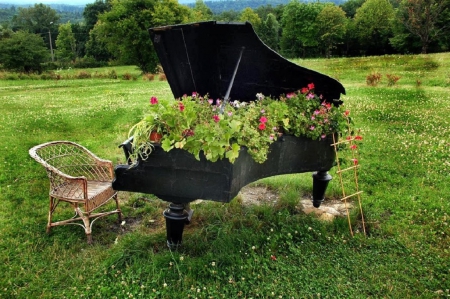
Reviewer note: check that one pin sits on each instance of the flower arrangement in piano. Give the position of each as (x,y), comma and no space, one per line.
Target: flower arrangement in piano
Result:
(219,129)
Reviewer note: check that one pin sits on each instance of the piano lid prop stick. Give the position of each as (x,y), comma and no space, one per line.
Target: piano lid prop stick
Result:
(227,95)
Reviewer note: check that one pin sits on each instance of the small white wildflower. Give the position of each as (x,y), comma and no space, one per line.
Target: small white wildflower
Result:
(123,223)
(181,258)
(253,247)
(165,285)
(213,264)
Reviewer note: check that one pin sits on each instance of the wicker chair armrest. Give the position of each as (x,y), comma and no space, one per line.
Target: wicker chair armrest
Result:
(108,165)
(67,186)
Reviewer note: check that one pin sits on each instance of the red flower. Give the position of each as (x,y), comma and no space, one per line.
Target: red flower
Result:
(181,106)
(262,126)
(304,90)
(349,137)
(353,146)
(216,118)
(311,86)
(355,161)
(273,258)
(357,137)
(153,100)
(263,119)
(346,113)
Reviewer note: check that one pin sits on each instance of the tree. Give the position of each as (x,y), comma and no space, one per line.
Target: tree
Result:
(270,32)
(125,28)
(66,43)
(350,7)
(331,22)
(23,52)
(250,16)
(421,18)
(93,10)
(201,12)
(299,28)
(38,19)
(96,45)
(373,21)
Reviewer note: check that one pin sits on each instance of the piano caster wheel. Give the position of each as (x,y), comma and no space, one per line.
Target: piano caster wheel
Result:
(176,217)
(320,184)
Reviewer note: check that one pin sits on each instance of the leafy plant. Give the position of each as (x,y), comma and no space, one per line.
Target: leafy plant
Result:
(392,79)
(219,129)
(373,79)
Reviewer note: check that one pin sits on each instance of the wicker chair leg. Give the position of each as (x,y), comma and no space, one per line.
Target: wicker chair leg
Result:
(50,213)
(118,208)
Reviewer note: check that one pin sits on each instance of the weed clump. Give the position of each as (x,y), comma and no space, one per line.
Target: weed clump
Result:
(392,79)
(373,79)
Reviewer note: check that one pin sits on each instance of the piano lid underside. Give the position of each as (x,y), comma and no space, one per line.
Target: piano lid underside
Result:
(201,57)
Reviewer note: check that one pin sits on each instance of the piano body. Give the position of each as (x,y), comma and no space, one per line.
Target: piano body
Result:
(225,60)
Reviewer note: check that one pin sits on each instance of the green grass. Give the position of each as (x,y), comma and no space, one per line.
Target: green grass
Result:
(227,249)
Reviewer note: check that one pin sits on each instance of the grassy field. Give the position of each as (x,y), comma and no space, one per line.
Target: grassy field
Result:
(234,250)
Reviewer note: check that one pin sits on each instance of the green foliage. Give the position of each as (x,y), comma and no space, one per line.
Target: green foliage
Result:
(66,43)
(126,26)
(23,52)
(300,31)
(269,32)
(373,21)
(248,15)
(331,22)
(201,11)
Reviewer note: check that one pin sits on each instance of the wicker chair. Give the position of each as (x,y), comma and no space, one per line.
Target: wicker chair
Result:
(78,177)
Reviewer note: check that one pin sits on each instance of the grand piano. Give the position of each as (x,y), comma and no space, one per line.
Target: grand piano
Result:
(227,61)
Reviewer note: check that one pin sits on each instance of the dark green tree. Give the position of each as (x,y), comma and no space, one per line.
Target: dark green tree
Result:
(331,22)
(92,11)
(300,34)
(373,21)
(23,52)
(96,45)
(269,32)
(39,19)
(201,12)
(422,19)
(125,28)
(350,7)
(66,43)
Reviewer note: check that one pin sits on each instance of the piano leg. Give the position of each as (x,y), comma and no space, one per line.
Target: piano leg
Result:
(320,184)
(176,217)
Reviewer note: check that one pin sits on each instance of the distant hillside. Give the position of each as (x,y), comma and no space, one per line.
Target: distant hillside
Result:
(219,6)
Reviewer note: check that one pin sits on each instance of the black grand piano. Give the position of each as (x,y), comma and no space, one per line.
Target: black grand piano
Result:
(229,61)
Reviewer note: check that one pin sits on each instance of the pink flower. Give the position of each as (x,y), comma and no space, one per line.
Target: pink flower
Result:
(230,113)
(311,86)
(210,101)
(313,118)
(323,136)
(271,136)
(153,100)
(181,106)
(310,95)
(263,119)
(216,118)
(312,128)
(291,95)
(194,94)
(262,126)
(316,112)
(263,111)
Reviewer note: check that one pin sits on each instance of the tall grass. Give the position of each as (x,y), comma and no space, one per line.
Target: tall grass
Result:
(234,250)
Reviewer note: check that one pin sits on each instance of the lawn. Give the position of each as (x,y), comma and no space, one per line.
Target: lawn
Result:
(235,250)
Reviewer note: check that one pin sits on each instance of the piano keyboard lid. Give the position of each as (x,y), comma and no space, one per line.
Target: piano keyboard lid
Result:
(221,58)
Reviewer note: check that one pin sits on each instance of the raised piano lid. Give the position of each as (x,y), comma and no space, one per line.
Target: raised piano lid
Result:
(201,57)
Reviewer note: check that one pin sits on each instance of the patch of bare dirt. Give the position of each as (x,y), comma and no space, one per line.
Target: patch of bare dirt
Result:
(328,210)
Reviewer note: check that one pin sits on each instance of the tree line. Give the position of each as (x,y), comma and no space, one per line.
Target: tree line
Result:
(117,30)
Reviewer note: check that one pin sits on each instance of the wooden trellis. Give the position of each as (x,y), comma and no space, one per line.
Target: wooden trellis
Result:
(352,155)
